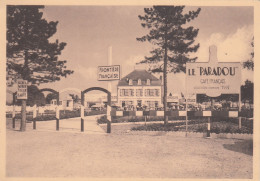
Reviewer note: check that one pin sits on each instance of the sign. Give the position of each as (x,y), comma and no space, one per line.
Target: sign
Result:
(173,99)
(22,89)
(191,99)
(106,73)
(213,78)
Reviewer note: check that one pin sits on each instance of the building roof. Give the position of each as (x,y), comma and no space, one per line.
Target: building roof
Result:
(139,74)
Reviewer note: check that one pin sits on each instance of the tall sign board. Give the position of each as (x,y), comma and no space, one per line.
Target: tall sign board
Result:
(213,78)
(106,73)
(22,89)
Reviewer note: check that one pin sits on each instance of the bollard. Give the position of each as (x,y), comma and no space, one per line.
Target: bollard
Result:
(57,118)
(208,130)
(34,116)
(34,123)
(57,124)
(239,122)
(109,119)
(82,118)
(82,125)
(108,126)
(13,117)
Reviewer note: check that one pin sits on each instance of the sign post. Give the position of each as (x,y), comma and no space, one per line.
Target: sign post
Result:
(213,78)
(22,89)
(22,95)
(109,73)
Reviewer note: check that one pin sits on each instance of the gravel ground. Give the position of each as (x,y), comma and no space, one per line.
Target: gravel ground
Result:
(124,154)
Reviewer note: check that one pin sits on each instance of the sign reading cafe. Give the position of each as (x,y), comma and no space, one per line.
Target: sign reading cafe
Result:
(109,72)
(213,78)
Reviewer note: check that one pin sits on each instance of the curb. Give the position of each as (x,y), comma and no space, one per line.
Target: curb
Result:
(197,134)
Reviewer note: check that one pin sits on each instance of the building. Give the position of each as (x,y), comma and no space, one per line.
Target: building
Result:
(140,88)
(101,98)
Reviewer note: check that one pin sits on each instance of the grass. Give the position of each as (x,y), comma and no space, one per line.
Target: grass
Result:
(216,127)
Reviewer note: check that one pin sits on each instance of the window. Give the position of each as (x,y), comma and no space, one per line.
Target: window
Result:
(139,92)
(139,82)
(148,82)
(130,82)
(123,103)
(152,92)
(131,92)
(152,104)
(157,92)
(127,92)
(139,103)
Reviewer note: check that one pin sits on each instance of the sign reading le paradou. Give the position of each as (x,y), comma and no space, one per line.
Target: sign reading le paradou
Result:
(213,78)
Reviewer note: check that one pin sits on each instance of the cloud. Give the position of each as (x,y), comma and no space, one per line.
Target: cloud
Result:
(88,73)
(232,48)
(130,64)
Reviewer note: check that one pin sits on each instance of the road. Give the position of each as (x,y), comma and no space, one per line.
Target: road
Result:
(124,155)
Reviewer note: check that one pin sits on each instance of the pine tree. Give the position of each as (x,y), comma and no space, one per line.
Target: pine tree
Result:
(249,64)
(30,54)
(173,42)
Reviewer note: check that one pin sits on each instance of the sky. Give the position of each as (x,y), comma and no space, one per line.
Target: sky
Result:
(90,30)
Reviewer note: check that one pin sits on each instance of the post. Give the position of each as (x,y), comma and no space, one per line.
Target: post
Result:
(109,88)
(23,114)
(186,117)
(34,116)
(13,116)
(208,130)
(57,118)
(82,118)
(239,108)
(109,118)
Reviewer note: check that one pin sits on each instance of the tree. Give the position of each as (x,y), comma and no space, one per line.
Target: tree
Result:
(249,64)
(35,96)
(247,92)
(75,98)
(30,55)
(50,97)
(172,41)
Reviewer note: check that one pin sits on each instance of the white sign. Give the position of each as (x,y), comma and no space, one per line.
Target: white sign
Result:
(22,89)
(213,78)
(191,99)
(109,72)
(172,98)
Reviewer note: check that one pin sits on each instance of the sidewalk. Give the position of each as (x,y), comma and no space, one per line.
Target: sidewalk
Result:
(67,125)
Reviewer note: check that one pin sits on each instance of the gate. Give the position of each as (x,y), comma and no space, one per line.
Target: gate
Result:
(109,119)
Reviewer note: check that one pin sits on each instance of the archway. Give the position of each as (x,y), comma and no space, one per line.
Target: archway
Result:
(109,120)
(57,108)
(52,91)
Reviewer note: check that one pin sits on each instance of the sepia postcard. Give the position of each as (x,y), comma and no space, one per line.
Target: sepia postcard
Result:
(129,90)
